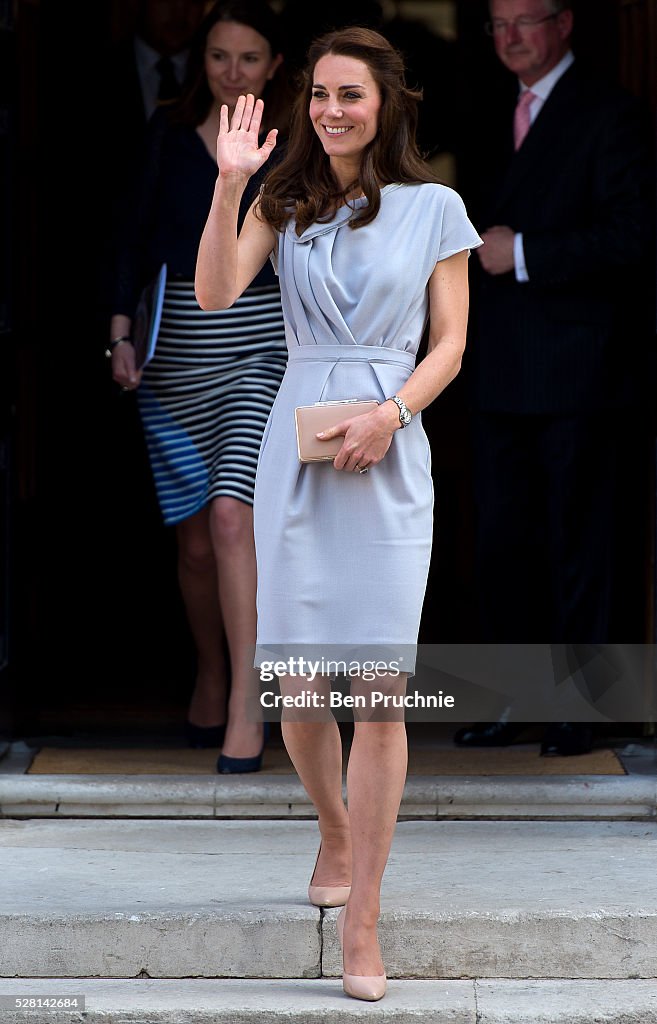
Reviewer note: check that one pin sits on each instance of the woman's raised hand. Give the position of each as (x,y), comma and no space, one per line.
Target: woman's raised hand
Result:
(238,151)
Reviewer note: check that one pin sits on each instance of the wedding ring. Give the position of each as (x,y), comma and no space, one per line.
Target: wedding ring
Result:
(124,388)
(364,470)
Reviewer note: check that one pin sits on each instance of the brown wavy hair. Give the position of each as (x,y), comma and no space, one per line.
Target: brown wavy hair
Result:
(303,184)
(197,99)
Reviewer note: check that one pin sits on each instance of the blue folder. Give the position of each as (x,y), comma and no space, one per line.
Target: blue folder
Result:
(146,323)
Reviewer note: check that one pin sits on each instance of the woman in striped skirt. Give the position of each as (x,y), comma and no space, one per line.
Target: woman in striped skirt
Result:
(205,396)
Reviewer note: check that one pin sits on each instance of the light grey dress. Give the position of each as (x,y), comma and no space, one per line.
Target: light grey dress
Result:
(343,557)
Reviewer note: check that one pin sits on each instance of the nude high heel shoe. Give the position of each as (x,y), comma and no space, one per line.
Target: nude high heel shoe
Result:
(360,986)
(327,895)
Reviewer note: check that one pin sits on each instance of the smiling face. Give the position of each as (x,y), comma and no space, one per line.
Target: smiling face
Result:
(238,60)
(530,51)
(344,108)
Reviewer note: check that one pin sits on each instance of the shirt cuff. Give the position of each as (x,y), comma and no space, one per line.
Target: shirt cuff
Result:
(519,258)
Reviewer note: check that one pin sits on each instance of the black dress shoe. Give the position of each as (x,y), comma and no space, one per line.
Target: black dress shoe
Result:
(488,734)
(564,739)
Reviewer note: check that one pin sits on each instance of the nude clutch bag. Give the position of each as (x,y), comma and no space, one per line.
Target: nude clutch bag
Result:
(310,419)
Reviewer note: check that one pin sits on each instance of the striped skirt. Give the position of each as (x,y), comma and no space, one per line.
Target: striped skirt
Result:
(205,396)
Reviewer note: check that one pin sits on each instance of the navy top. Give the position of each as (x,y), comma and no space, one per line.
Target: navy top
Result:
(164,220)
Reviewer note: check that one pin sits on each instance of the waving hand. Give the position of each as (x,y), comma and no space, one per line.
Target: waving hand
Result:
(238,151)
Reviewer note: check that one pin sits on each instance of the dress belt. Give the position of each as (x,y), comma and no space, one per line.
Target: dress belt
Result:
(346,353)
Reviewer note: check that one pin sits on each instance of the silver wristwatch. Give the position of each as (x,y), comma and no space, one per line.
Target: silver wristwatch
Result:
(405,414)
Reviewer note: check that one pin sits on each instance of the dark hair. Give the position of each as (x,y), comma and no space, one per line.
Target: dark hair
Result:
(197,98)
(303,184)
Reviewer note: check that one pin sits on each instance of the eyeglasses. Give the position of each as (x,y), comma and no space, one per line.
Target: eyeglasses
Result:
(498,27)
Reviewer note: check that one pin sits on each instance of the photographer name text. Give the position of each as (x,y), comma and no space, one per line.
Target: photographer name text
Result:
(374,699)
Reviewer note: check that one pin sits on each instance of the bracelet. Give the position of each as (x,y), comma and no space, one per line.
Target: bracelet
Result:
(113,343)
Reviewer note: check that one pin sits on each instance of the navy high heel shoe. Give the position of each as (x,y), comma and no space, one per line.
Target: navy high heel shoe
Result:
(201,737)
(240,765)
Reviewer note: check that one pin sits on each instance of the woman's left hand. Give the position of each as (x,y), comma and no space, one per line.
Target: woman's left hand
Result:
(124,370)
(366,440)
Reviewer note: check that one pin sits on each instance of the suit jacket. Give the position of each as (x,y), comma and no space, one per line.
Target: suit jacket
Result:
(579,189)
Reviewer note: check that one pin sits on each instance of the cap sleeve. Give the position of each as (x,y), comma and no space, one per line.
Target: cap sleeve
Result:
(456,231)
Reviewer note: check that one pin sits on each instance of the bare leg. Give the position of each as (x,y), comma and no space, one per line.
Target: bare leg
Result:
(231,528)
(315,749)
(376,775)
(197,576)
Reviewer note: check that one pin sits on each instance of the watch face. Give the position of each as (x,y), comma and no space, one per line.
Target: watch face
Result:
(405,416)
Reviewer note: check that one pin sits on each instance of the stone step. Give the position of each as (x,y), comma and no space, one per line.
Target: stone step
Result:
(227,899)
(262,795)
(203,1001)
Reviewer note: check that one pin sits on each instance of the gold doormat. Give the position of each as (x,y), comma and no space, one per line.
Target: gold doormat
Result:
(518,759)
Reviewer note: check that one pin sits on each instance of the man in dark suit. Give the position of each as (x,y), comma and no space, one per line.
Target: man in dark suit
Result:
(555,344)
(147,68)
(140,72)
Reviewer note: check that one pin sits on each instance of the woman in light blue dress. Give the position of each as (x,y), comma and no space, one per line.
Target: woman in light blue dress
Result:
(368,246)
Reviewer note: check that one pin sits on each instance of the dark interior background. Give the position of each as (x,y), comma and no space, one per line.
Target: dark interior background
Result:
(92,625)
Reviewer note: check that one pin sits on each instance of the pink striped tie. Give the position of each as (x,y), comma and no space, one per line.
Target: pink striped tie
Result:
(521,120)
